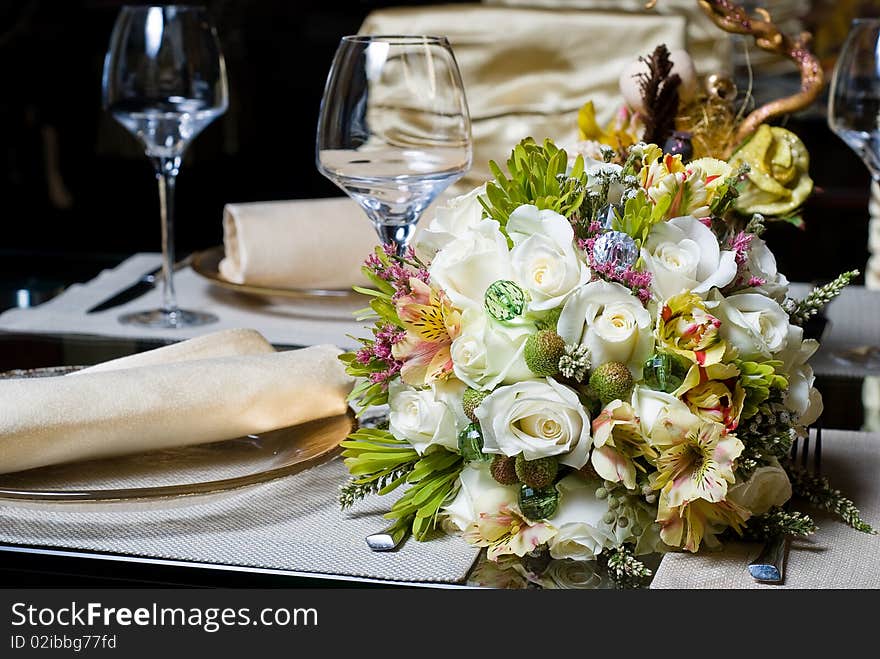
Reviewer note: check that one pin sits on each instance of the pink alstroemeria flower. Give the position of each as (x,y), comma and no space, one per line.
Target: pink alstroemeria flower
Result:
(431,324)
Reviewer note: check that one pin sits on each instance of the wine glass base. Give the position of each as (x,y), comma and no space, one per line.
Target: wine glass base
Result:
(163,319)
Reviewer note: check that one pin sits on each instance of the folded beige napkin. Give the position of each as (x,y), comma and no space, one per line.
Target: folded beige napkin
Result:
(305,243)
(47,421)
(207,346)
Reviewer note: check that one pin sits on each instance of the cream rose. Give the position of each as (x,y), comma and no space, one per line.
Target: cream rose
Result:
(755,324)
(487,353)
(479,493)
(611,321)
(768,486)
(761,265)
(458,216)
(468,265)
(580,532)
(801,397)
(537,418)
(649,404)
(683,255)
(426,417)
(545,263)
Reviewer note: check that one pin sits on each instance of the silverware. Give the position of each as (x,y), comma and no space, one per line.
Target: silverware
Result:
(144,284)
(388,539)
(769,566)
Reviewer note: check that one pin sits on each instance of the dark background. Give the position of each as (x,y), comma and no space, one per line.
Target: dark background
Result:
(100,201)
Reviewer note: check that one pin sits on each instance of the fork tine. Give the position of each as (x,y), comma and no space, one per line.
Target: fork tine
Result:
(794,451)
(805,453)
(817,450)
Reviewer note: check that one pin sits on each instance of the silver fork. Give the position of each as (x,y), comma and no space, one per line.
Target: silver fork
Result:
(769,566)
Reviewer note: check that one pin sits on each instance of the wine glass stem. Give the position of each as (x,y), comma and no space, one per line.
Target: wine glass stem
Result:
(166,175)
(396,234)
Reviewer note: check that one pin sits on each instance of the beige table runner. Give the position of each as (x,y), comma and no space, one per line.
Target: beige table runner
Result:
(290,524)
(836,556)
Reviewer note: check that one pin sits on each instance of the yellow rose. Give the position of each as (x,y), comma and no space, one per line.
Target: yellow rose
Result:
(778,181)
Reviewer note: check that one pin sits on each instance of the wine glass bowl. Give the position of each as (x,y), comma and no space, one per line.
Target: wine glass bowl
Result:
(854,97)
(854,115)
(394,129)
(165,80)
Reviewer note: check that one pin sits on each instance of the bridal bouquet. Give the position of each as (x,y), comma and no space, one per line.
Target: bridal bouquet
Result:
(593,356)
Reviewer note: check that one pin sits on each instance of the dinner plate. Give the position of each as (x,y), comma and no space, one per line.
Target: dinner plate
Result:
(179,472)
(207,264)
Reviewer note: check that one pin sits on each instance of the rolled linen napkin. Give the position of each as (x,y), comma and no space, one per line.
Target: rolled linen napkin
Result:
(217,344)
(46,421)
(306,243)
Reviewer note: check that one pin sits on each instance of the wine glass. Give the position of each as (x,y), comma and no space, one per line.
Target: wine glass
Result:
(165,80)
(394,129)
(854,115)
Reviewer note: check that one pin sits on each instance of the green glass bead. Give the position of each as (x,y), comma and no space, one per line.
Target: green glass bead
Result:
(663,373)
(504,300)
(538,504)
(470,444)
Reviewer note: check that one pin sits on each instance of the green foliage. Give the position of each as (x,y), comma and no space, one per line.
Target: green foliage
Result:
(368,394)
(377,461)
(624,568)
(778,521)
(639,215)
(756,225)
(757,379)
(536,175)
(805,309)
(433,480)
(818,491)
(727,192)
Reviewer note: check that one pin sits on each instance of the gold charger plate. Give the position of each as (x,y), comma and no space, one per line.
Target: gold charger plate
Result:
(207,264)
(177,472)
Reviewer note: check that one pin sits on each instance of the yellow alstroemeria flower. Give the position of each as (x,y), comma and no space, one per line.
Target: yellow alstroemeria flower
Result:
(714,393)
(685,327)
(698,521)
(617,441)
(696,457)
(621,132)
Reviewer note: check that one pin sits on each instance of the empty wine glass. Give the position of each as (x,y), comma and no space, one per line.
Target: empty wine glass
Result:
(394,129)
(165,80)
(854,115)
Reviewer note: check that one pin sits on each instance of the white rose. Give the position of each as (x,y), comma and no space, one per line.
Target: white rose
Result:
(611,321)
(545,263)
(468,265)
(580,532)
(762,264)
(683,254)
(537,418)
(769,486)
(802,397)
(487,353)
(754,323)
(426,417)
(648,405)
(458,216)
(479,493)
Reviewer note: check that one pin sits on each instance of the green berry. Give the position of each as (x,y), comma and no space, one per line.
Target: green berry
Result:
(503,470)
(471,400)
(537,474)
(611,381)
(542,352)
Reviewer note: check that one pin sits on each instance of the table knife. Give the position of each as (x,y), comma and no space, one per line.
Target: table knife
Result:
(143,285)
